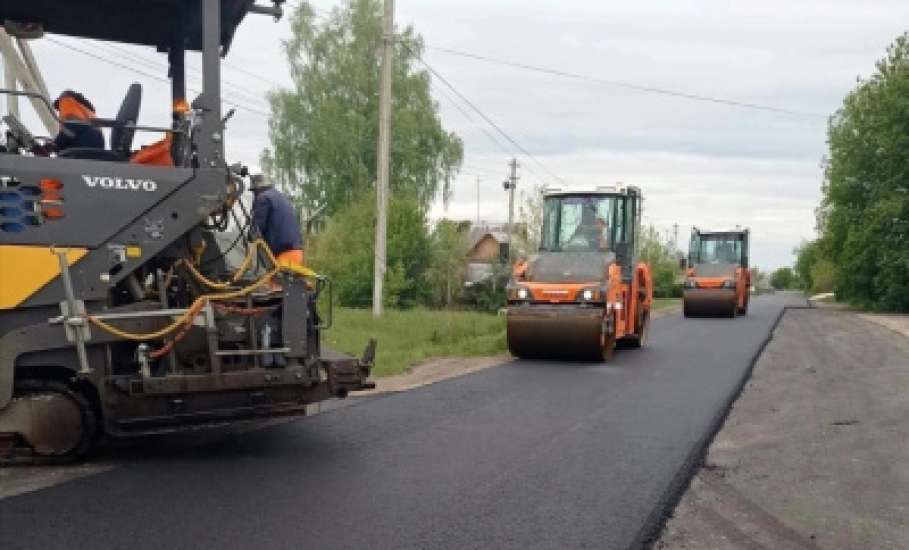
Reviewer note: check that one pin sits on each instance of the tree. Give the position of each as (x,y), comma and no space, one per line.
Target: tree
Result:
(864,216)
(344,252)
(807,255)
(814,270)
(323,131)
(530,214)
(664,266)
(449,259)
(783,278)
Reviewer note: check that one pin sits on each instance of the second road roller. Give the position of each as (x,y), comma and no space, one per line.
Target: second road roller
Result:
(585,291)
(719,280)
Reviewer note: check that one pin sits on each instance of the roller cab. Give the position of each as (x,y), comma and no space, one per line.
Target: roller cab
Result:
(584,291)
(718,282)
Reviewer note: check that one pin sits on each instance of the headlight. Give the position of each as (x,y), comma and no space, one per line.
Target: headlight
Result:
(587,295)
(729,284)
(691,283)
(522,294)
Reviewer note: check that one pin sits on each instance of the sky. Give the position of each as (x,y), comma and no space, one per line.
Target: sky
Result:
(701,163)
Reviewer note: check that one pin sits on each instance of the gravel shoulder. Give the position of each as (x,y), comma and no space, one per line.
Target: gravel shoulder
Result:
(814,453)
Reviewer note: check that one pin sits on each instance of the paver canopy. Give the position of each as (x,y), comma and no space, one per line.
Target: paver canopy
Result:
(148,22)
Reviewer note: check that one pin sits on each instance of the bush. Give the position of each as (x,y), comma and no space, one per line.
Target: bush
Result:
(822,275)
(664,267)
(783,279)
(488,294)
(344,252)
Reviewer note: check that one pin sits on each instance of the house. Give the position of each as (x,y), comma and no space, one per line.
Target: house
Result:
(488,252)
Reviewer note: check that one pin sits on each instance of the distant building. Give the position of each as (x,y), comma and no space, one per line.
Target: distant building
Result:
(489,247)
(489,250)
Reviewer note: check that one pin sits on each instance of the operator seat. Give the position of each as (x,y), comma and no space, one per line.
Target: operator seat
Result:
(121,137)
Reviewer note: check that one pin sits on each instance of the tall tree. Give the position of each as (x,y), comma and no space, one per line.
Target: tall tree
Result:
(323,131)
(448,262)
(864,216)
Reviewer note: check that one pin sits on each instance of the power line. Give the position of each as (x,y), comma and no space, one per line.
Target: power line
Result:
(470,119)
(161,67)
(488,120)
(149,75)
(627,85)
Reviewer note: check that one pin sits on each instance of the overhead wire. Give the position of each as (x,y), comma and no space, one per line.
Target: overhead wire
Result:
(488,120)
(130,59)
(159,78)
(161,66)
(626,85)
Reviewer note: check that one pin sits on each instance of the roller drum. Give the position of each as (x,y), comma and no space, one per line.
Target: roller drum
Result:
(557,332)
(709,302)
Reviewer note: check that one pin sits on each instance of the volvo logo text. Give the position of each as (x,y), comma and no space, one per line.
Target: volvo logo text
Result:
(127,184)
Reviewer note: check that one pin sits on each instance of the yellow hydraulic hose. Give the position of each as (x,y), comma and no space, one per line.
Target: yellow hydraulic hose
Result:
(200,302)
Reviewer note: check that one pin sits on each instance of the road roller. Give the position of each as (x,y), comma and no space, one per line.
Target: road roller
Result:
(135,295)
(585,291)
(718,281)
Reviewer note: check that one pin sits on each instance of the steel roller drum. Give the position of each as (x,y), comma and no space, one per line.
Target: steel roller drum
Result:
(709,302)
(555,331)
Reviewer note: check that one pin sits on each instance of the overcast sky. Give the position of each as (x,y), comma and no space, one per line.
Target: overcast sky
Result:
(702,163)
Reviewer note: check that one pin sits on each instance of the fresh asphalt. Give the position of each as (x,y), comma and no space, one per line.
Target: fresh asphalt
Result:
(524,455)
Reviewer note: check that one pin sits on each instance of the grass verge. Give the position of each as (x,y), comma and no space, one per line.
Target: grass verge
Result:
(663,303)
(411,336)
(407,337)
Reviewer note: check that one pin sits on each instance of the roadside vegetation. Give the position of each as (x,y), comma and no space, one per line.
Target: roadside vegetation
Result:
(663,303)
(862,249)
(784,278)
(663,262)
(407,337)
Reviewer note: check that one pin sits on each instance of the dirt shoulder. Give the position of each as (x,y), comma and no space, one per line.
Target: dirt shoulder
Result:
(814,452)
(896,323)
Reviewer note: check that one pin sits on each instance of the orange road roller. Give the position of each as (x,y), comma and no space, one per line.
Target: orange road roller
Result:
(585,291)
(719,280)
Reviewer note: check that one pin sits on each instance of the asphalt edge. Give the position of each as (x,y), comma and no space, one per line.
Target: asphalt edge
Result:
(653,526)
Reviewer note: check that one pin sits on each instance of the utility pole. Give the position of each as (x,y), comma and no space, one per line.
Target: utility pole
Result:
(510,184)
(675,236)
(388,29)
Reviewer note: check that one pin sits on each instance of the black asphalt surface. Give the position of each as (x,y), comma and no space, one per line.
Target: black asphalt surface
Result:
(524,455)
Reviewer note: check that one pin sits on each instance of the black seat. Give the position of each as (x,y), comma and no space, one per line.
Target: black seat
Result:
(121,137)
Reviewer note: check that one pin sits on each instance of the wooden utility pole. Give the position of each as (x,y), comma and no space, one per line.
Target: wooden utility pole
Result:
(384,150)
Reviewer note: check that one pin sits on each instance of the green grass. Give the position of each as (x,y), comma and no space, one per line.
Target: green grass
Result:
(410,336)
(407,337)
(661,303)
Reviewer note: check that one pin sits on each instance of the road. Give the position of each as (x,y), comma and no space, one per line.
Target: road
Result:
(524,455)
